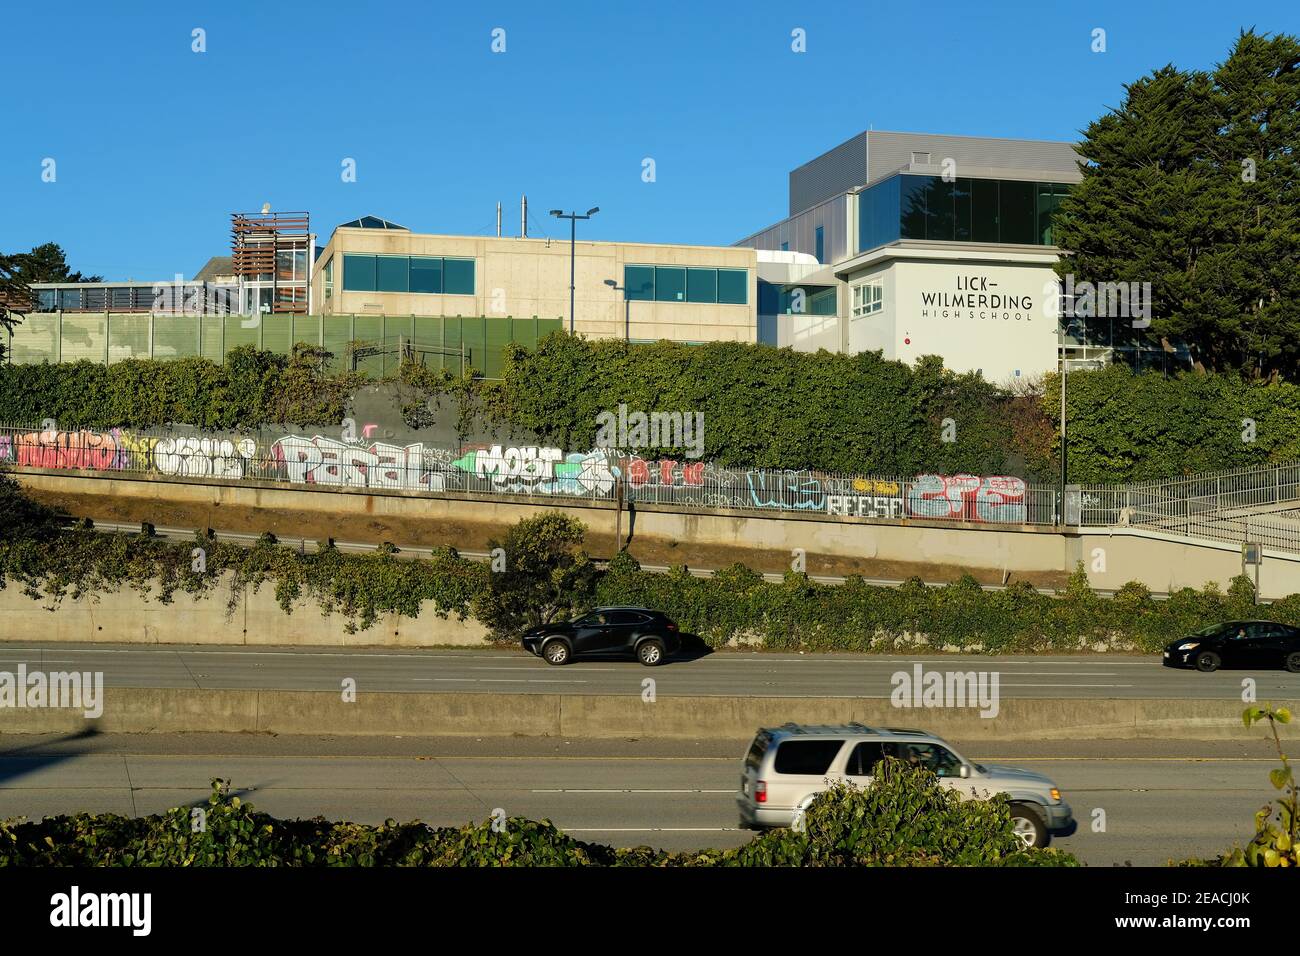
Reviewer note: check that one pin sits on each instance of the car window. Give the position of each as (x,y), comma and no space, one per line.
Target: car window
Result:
(863,760)
(754,758)
(1240,633)
(931,756)
(590,620)
(623,617)
(1213,630)
(811,758)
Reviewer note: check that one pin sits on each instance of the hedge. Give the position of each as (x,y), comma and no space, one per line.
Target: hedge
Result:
(762,407)
(734,606)
(905,818)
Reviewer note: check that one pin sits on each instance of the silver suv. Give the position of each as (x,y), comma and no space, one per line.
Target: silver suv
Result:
(787,766)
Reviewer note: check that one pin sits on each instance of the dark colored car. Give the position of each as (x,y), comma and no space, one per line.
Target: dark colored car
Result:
(648,635)
(1237,644)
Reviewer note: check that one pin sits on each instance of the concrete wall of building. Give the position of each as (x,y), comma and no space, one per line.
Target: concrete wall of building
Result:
(526,277)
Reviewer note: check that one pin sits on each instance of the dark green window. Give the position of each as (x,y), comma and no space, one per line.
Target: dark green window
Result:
(426,274)
(820,244)
(458,276)
(1049,198)
(984,210)
(733,286)
(1016,212)
(359,273)
(390,273)
(701,285)
(639,281)
(670,284)
(938,210)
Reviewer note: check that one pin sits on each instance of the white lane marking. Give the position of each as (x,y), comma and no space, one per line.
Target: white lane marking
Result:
(583,790)
(650,829)
(484,680)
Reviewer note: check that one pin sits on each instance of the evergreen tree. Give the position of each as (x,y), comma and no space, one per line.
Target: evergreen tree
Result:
(1191,185)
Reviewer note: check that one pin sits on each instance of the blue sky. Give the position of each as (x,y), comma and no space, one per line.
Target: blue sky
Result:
(156,145)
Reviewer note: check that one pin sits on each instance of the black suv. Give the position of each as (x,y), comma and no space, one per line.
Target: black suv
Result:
(650,635)
(1237,644)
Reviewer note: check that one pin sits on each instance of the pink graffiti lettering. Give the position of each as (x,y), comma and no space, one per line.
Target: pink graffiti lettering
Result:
(998,499)
(81,449)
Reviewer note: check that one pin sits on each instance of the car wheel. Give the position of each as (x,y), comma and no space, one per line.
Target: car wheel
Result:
(1029,827)
(650,652)
(556,652)
(1207,661)
(1292,662)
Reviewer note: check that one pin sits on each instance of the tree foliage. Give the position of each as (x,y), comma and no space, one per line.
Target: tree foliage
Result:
(1193,184)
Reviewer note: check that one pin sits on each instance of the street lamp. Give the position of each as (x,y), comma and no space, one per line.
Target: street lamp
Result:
(627,308)
(573,218)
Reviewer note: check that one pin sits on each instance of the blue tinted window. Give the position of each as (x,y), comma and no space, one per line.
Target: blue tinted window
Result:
(670,284)
(701,285)
(914,193)
(820,244)
(69,298)
(878,214)
(390,273)
(458,276)
(359,273)
(426,274)
(47,300)
(733,286)
(639,281)
(938,209)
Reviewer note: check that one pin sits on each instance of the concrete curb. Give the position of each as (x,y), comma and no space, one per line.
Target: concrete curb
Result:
(190,710)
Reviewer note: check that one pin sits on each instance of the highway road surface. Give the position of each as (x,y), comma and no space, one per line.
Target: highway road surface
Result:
(726,673)
(1139,802)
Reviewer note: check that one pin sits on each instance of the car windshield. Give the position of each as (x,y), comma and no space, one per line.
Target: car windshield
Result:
(1214,630)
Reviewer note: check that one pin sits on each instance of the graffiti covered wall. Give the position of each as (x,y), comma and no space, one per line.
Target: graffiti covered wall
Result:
(359,462)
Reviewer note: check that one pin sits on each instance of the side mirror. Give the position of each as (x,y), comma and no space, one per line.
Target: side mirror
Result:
(964,773)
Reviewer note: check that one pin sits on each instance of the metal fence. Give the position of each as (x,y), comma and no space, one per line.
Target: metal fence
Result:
(1244,504)
(527,472)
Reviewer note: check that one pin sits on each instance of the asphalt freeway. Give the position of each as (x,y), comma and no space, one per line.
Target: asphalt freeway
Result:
(1138,802)
(726,673)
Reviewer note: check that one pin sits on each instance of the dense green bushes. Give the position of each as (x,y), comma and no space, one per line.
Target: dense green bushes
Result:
(250,389)
(762,407)
(736,604)
(905,818)
(765,407)
(1134,427)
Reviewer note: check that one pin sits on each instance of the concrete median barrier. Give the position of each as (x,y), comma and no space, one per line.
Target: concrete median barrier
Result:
(181,710)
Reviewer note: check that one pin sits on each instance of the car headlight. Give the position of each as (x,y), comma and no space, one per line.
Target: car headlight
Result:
(1189,645)
(1056,794)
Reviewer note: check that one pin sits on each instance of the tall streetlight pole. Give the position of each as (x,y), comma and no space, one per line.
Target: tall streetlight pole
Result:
(573,218)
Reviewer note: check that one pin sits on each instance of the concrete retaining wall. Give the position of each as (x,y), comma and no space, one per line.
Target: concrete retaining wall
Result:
(128,617)
(171,710)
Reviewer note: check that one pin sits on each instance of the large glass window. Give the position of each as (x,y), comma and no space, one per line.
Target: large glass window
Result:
(426,274)
(390,274)
(701,285)
(458,276)
(1016,213)
(358,273)
(733,286)
(670,284)
(639,281)
(908,206)
(47,300)
(680,284)
(69,299)
(984,210)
